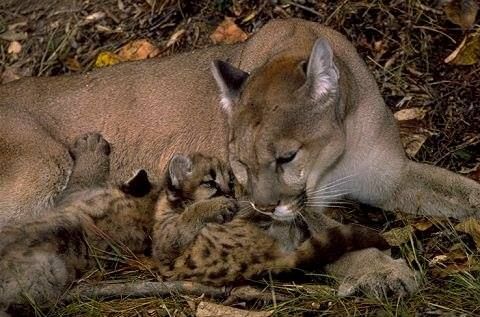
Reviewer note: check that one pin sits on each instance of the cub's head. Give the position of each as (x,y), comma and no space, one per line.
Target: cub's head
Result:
(196,177)
(285,126)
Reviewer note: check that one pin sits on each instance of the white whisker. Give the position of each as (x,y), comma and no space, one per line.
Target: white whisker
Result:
(328,196)
(335,183)
(258,210)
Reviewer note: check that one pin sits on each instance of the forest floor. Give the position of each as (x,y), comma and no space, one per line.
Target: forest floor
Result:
(404,44)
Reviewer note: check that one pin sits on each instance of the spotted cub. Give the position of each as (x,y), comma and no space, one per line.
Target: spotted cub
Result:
(93,222)
(202,233)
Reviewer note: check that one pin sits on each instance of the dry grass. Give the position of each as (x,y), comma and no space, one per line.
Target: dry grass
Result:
(403,43)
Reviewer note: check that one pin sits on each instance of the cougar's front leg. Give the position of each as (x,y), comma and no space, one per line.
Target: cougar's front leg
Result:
(429,190)
(34,167)
(369,270)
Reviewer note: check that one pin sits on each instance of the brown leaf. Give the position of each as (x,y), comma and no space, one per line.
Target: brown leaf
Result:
(398,236)
(228,33)
(468,52)
(73,64)
(206,309)
(8,75)
(410,114)
(461,12)
(422,224)
(137,50)
(455,261)
(413,142)
(14,47)
(472,227)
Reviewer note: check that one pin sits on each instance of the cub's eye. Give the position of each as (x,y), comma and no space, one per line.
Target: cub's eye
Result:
(286,158)
(209,184)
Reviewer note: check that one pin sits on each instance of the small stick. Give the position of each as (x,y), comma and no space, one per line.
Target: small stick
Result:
(143,289)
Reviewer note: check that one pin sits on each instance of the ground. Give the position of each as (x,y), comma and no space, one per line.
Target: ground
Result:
(404,43)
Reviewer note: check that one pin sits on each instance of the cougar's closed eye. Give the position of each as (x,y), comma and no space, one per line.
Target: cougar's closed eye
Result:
(287,157)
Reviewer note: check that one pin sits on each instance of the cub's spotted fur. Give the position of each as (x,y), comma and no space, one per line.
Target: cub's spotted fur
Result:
(41,258)
(193,238)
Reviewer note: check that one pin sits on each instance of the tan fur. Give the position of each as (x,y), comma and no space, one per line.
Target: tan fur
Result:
(194,239)
(40,258)
(152,109)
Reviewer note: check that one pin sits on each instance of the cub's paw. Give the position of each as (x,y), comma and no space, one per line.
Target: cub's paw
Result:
(221,210)
(372,272)
(90,144)
(90,154)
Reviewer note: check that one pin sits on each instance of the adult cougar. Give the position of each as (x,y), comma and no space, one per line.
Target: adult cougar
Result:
(301,126)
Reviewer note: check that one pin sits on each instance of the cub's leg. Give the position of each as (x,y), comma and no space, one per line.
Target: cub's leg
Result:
(369,270)
(430,190)
(34,167)
(328,245)
(173,232)
(90,153)
(40,277)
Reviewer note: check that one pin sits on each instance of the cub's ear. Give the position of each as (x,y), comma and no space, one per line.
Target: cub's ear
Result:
(322,74)
(230,80)
(138,186)
(179,168)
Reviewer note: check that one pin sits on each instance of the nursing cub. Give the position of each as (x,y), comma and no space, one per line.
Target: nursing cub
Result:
(199,232)
(194,239)
(39,259)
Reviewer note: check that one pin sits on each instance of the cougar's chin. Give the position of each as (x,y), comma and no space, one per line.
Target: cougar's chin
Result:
(285,213)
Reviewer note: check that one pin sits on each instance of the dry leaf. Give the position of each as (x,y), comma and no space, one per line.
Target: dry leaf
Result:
(410,114)
(107,59)
(8,75)
(11,35)
(422,224)
(472,227)
(95,16)
(461,12)
(206,309)
(413,142)
(137,50)
(398,236)
(73,64)
(175,37)
(455,261)
(468,52)
(14,47)
(228,33)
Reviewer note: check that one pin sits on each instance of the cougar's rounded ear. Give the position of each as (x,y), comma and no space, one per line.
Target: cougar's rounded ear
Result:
(322,74)
(230,81)
(179,168)
(138,186)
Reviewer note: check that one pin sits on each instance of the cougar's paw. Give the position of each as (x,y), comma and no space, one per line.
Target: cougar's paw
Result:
(373,272)
(90,143)
(223,210)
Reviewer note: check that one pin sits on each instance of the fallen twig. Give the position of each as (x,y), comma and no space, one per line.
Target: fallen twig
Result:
(144,289)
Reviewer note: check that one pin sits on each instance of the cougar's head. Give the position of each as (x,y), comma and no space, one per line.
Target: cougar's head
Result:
(285,126)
